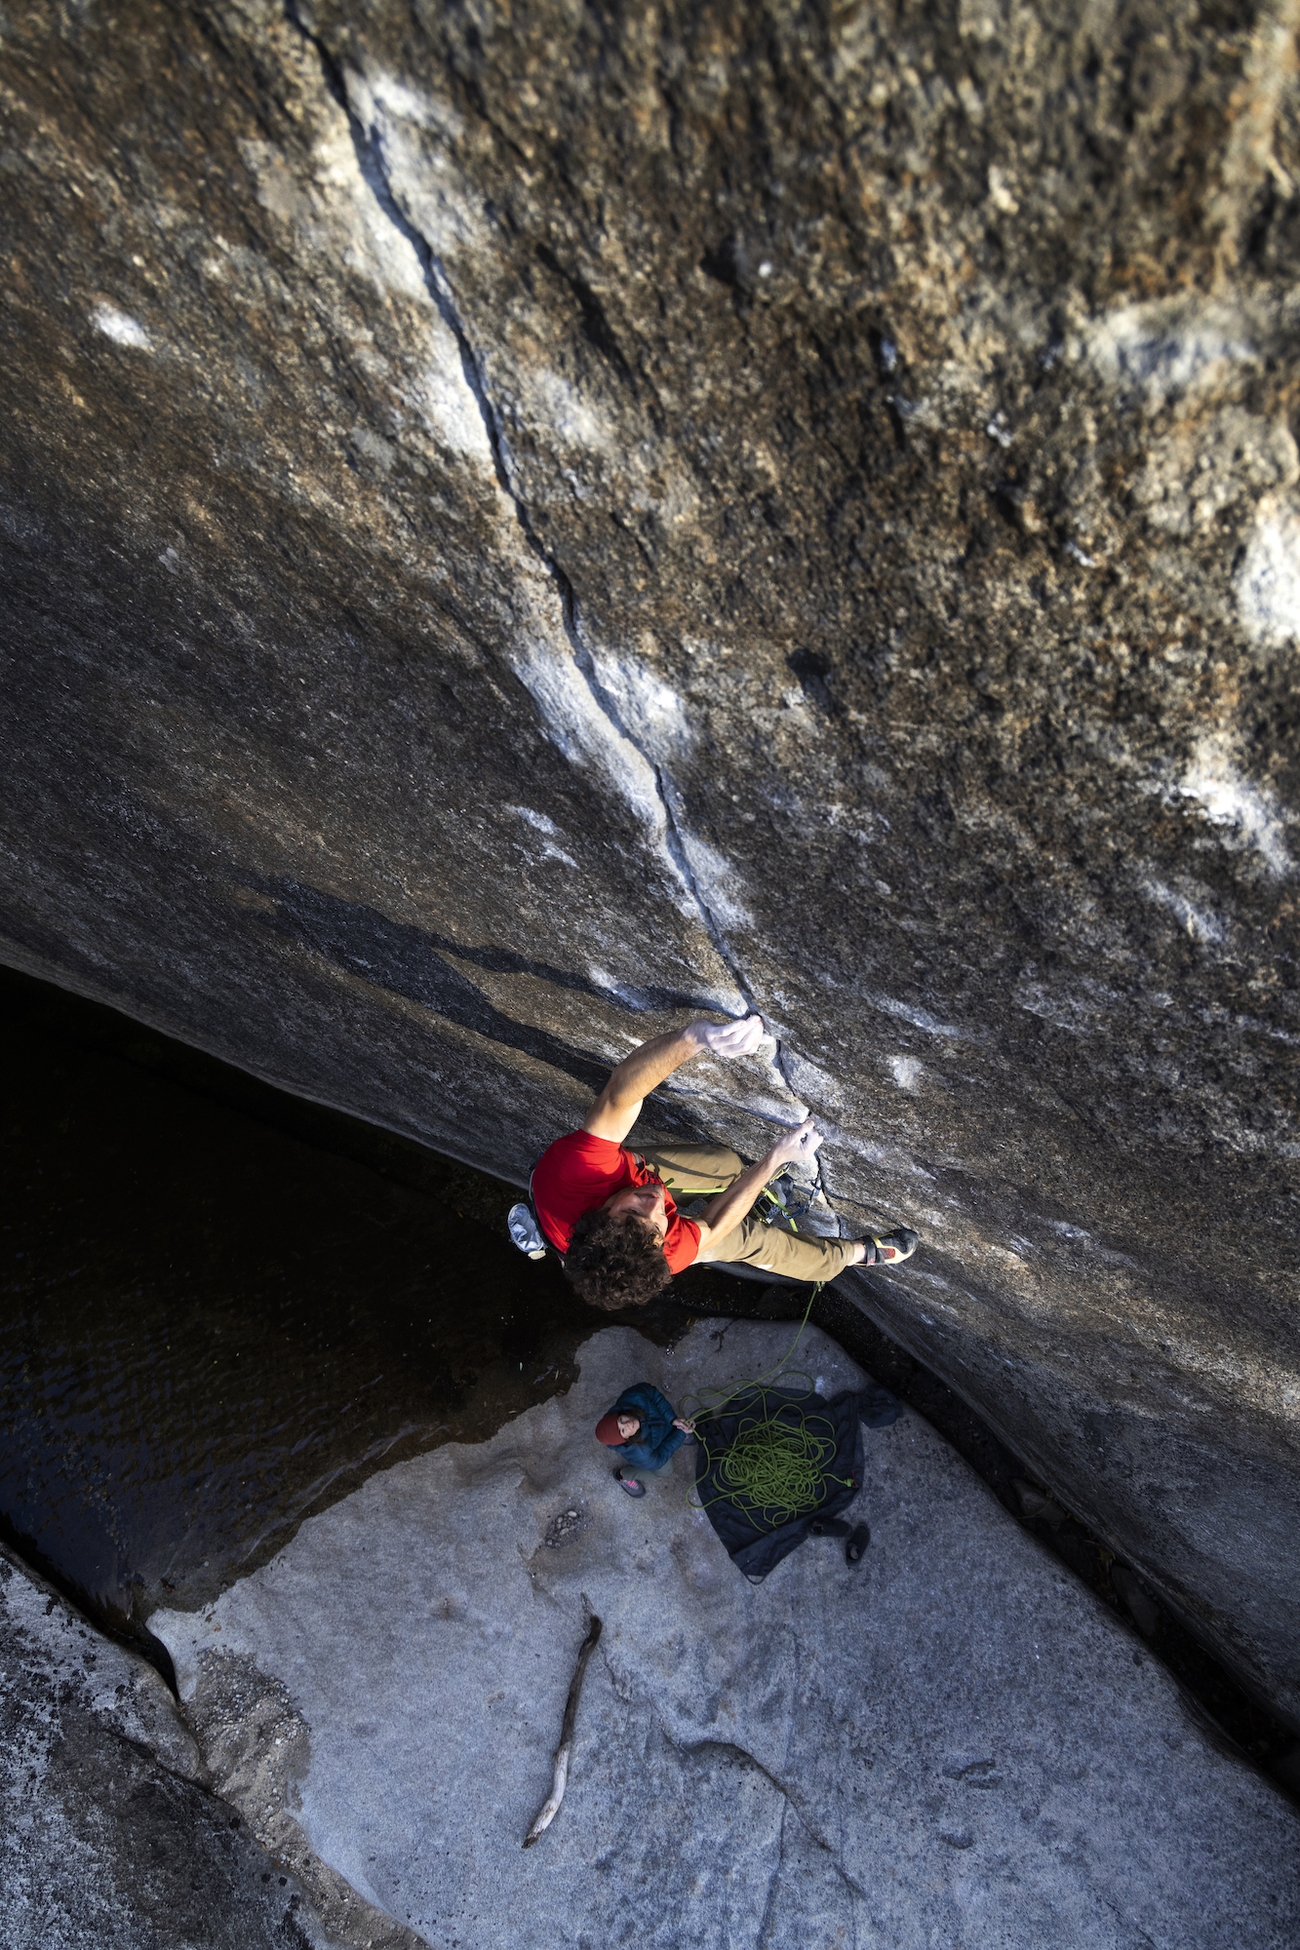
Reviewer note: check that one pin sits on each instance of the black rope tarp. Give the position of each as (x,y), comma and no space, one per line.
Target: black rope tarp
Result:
(757,1534)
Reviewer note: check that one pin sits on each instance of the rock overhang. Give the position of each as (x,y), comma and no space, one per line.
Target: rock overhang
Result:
(777,467)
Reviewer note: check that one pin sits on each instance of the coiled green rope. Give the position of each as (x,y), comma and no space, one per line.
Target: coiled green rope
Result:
(776,1467)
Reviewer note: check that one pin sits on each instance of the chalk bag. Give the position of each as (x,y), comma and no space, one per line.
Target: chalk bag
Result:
(525,1231)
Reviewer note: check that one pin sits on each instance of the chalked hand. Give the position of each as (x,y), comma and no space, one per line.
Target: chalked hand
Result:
(798,1145)
(729,1038)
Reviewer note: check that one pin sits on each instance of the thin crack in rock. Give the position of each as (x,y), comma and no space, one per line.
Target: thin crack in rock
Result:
(773,1881)
(746,1759)
(669,794)
(371,163)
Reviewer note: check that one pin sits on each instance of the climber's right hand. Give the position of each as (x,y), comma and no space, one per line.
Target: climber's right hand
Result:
(728,1038)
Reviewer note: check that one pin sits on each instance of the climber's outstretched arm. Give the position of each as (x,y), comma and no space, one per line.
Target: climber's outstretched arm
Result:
(723,1213)
(618,1106)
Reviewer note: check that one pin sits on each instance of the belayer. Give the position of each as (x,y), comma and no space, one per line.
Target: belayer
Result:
(611,1213)
(643,1427)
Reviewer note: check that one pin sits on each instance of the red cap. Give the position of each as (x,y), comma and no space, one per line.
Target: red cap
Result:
(607,1430)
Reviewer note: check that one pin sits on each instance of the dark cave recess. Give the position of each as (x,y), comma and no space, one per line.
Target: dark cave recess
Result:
(225,1306)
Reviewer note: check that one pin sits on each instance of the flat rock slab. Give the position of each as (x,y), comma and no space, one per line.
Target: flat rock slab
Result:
(519,523)
(109,1839)
(951,1744)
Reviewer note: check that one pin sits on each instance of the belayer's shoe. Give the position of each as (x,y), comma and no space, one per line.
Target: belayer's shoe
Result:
(629,1483)
(857,1543)
(891,1248)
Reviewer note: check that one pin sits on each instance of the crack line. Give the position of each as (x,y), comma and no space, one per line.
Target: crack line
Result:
(370,161)
(746,1759)
(773,1882)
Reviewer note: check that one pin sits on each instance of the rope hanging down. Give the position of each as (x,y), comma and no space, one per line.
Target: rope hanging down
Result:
(713,1400)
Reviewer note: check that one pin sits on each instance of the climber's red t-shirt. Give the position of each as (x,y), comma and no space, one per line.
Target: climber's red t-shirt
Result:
(579,1171)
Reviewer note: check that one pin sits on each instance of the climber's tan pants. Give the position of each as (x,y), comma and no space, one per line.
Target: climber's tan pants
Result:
(690,1169)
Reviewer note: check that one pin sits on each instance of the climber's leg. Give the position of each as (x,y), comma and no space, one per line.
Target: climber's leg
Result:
(794,1255)
(689,1170)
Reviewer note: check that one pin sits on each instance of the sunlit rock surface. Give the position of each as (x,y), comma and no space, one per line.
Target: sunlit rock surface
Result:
(517,522)
(952,1742)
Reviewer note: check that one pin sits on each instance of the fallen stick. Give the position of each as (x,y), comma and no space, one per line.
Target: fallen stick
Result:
(560,1779)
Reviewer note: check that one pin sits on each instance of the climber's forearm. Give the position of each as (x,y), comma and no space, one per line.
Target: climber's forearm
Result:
(618,1106)
(725,1212)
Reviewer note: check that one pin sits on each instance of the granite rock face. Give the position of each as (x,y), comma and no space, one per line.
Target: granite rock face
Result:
(951,1742)
(110,1838)
(519,522)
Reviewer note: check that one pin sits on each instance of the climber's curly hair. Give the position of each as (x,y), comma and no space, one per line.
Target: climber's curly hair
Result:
(616,1260)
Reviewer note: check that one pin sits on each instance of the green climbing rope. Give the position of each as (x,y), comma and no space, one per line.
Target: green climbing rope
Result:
(777,1465)
(712,1400)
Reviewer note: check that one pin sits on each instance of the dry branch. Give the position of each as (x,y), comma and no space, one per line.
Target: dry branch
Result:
(560,1778)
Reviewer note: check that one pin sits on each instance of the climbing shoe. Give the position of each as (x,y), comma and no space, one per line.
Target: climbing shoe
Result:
(629,1483)
(857,1543)
(891,1248)
(829,1527)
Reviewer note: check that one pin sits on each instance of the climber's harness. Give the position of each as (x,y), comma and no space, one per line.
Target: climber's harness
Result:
(526,1229)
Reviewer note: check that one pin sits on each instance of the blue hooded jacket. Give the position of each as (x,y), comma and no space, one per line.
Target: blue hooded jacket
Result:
(656,1439)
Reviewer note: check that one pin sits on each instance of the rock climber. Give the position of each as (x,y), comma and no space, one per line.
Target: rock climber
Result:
(646,1431)
(612,1214)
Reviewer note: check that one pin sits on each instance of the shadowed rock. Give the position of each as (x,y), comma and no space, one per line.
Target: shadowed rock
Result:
(515,527)
(110,1838)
